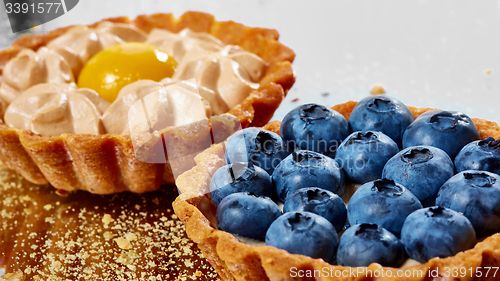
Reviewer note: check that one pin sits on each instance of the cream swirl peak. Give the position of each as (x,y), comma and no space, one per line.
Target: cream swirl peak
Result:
(169,103)
(30,68)
(186,44)
(231,73)
(54,109)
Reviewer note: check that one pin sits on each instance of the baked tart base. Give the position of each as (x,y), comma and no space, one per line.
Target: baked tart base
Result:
(235,260)
(106,164)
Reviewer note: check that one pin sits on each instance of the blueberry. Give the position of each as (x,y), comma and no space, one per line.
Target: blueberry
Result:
(314,127)
(381,113)
(240,177)
(422,170)
(362,155)
(363,244)
(436,232)
(382,202)
(248,215)
(303,233)
(475,194)
(260,147)
(304,168)
(319,201)
(480,155)
(447,130)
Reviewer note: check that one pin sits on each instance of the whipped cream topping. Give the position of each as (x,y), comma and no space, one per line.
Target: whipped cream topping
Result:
(186,44)
(223,75)
(53,109)
(231,74)
(175,104)
(30,68)
(80,42)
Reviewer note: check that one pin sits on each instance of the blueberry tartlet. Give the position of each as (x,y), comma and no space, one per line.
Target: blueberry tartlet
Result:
(389,226)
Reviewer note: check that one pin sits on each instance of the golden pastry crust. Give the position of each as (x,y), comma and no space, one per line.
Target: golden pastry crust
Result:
(106,163)
(235,260)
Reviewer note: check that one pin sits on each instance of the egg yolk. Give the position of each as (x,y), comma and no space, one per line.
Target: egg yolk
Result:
(110,70)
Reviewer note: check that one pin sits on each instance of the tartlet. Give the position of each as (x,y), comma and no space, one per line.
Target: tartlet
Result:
(235,260)
(106,164)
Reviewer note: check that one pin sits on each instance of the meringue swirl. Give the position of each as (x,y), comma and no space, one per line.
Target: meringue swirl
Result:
(29,68)
(186,44)
(53,109)
(231,73)
(176,104)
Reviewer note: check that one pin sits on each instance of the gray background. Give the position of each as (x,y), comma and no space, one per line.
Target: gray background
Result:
(426,53)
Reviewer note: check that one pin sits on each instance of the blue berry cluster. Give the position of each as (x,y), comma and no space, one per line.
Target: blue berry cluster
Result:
(418,188)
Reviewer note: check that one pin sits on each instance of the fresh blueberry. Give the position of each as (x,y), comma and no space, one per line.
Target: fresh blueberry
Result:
(422,170)
(363,244)
(314,127)
(303,233)
(382,202)
(319,201)
(240,177)
(436,232)
(475,194)
(383,114)
(362,155)
(480,155)
(448,130)
(304,168)
(248,215)
(260,147)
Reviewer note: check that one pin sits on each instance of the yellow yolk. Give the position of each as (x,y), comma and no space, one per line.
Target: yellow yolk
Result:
(119,65)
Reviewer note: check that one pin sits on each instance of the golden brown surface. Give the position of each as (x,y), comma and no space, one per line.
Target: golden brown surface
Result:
(234,260)
(94,237)
(106,164)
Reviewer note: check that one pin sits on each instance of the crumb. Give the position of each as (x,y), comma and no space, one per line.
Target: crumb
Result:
(123,243)
(130,236)
(325,94)
(108,235)
(107,219)
(377,90)
(47,207)
(295,100)
(488,72)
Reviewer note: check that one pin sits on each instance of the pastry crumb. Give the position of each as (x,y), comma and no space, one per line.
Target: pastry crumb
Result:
(123,243)
(377,90)
(108,235)
(488,72)
(107,219)
(130,237)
